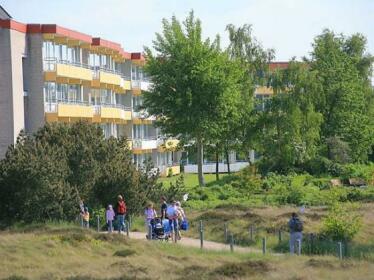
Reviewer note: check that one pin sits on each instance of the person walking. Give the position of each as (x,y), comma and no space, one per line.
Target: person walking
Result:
(164,206)
(86,218)
(172,214)
(296,233)
(181,218)
(121,213)
(149,214)
(110,217)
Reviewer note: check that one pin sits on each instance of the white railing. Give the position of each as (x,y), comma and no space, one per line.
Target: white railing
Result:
(142,84)
(97,110)
(135,84)
(211,167)
(49,63)
(145,143)
(145,85)
(50,107)
(143,115)
(119,106)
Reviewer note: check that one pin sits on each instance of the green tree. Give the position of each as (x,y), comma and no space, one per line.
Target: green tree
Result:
(44,176)
(289,125)
(241,134)
(343,72)
(195,85)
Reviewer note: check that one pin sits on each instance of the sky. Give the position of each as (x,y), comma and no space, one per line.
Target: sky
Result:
(288,26)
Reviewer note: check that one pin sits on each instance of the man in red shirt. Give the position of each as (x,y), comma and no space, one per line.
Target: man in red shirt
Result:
(121,213)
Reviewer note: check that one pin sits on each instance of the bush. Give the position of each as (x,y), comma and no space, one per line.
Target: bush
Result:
(342,224)
(124,253)
(43,176)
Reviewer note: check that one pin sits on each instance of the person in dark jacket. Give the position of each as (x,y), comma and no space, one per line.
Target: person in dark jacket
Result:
(296,233)
(164,206)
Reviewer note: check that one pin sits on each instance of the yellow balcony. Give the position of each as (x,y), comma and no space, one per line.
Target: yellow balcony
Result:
(66,73)
(168,145)
(115,114)
(264,90)
(174,170)
(68,112)
(74,111)
(110,78)
(126,85)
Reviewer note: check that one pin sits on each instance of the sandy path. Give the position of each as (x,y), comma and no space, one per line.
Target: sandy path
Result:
(208,245)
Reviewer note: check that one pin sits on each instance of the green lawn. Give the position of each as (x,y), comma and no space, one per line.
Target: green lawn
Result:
(191,180)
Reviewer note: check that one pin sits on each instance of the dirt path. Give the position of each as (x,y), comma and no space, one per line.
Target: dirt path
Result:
(208,245)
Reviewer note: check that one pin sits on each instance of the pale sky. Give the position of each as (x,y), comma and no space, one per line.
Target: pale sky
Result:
(288,26)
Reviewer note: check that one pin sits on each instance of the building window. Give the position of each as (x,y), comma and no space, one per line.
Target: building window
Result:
(50,92)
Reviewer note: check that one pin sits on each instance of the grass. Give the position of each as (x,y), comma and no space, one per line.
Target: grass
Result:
(267,221)
(55,252)
(191,180)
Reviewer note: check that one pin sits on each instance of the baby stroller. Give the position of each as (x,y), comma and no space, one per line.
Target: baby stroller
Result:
(159,229)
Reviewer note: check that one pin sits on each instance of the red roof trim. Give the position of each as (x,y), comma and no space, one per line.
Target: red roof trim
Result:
(111,45)
(278,65)
(12,24)
(34,28)
(55,29)
(137,56)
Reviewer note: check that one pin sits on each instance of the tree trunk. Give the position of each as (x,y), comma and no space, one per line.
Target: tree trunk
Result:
(200,158)
(227,161)
(217,164)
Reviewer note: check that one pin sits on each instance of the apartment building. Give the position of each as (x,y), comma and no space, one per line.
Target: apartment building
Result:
(49,73)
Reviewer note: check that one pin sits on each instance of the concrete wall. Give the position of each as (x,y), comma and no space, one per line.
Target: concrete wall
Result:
(12,49)
(34,81)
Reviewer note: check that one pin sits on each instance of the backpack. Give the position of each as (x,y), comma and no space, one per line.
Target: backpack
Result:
(297,225)
(121,208)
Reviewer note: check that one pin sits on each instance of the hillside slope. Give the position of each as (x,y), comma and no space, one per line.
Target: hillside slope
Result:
(67,252)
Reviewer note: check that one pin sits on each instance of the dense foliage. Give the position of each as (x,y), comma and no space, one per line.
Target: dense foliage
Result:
(196,87)
(248,189)
(44,176)
(342,223)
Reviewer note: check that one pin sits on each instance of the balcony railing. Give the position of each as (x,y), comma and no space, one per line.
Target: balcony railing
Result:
(49,64)
(51,106)
(119,106)
(145,143)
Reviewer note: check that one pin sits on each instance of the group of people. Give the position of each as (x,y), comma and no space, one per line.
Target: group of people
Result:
(118,212)
(173,212)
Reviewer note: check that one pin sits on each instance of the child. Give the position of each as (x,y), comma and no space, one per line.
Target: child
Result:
(150,214)
(110,218)
(86,218)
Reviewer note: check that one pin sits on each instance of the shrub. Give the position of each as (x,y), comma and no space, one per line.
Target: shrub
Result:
(174,191)
(289,194)
(124,253)
(44,175)
(342,224)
